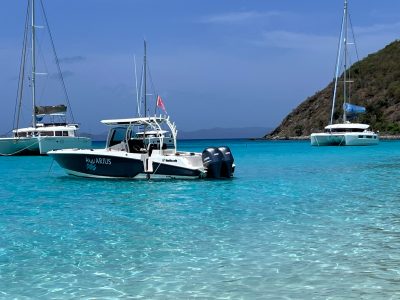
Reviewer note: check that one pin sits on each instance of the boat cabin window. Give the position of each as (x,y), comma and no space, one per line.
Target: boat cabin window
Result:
(47,133)
(58,133)
(345,130)
(20,134)
(65,133)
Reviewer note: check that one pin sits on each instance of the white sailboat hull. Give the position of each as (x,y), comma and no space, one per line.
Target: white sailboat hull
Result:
(50,143)
(345,139)
(40,145)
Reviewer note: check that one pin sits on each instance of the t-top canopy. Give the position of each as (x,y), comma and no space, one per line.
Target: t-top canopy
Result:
(135,121)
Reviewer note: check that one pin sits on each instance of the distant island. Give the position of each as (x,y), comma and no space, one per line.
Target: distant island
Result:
(211,133)
(377,87)
(224,133)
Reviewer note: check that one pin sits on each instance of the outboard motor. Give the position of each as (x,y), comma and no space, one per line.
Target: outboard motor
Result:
(212,161)
(227,167)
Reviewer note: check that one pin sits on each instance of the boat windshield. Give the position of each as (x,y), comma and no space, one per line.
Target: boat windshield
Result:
(344,130)
(117,135)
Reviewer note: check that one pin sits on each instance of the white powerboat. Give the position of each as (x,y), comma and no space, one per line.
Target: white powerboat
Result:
(141,148)
(49,129)
(145,147)
(345,133)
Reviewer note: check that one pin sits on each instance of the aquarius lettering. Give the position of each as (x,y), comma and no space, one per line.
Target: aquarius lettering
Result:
(91,163)
(98,161)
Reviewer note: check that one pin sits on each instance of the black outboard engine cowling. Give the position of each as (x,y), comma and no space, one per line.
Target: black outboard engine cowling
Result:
(227,168)
(212,161)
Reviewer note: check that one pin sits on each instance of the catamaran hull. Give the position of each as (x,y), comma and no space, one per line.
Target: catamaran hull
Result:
(49,143)
(40,145)
(19,146)
(119,166)
(344,139)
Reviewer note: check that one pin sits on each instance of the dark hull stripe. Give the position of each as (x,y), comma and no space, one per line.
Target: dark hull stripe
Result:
(164,169)
(100,165)
(118,167)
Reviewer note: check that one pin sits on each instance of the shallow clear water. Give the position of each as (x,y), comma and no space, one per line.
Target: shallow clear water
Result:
(296,222)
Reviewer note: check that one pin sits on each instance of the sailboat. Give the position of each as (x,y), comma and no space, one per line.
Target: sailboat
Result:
(345,133)
(145,147)
(49,129)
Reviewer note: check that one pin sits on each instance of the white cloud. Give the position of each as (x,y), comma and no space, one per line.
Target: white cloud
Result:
(238,17)
(377,28)
(293,40)
(72,59)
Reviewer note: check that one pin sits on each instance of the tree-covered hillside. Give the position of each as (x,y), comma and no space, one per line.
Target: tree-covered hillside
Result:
(376,86)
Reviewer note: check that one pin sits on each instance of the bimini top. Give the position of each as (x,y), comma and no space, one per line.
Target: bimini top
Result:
(347,126)
(51,110)
(155,123)
(136,121)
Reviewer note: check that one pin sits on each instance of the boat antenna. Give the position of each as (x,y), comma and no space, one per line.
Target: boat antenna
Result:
(338,62)
(137,89)
(33,65)
(153,89)
(145,79)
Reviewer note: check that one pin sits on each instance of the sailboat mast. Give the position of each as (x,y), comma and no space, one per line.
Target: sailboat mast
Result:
(33,66)
(145,79)
(345,60)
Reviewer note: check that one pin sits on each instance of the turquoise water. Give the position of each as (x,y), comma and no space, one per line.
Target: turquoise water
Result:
(297,222)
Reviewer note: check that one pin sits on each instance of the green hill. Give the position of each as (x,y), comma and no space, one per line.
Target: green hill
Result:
(376,86)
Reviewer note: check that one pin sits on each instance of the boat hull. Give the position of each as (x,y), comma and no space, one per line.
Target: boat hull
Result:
(170,171)
(99,166)
(49,143)
(344,139)
(19,146)
(40,145)
(119,164)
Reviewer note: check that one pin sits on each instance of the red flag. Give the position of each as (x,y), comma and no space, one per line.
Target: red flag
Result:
(160,103)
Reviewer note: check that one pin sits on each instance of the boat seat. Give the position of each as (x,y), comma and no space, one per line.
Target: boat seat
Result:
(135,146)
(118,147)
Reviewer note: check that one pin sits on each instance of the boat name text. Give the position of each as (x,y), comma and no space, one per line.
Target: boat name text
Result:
(99,161)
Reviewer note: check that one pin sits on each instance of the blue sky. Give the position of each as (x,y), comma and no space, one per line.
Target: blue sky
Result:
(216,63)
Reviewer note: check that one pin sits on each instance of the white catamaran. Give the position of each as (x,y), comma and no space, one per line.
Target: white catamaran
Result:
(345,133)
(49,129)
